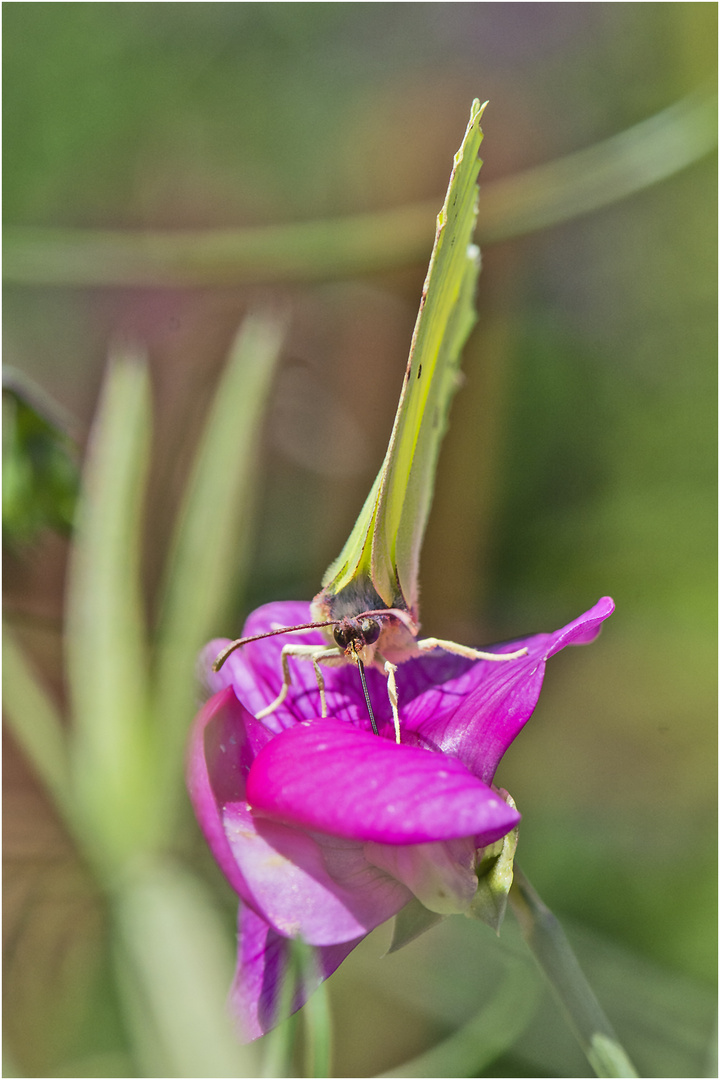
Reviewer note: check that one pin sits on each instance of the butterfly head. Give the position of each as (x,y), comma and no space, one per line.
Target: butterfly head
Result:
(373,635)
(357,637)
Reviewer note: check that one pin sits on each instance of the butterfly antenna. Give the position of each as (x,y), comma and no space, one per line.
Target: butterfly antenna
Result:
(222,657)
(361,669)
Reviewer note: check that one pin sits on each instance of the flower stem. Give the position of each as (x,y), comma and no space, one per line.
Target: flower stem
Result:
(551,949)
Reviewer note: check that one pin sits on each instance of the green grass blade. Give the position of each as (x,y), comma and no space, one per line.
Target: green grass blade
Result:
(279,1057)
(210,548)
(175,962)
(35,723)
(105,632)
(318,1033)
(560,190)
(603,174)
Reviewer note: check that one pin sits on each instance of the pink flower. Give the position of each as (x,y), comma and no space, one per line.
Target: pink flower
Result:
(325,830)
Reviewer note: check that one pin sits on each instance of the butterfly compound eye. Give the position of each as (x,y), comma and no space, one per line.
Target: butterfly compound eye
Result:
(370,629)
(343,635)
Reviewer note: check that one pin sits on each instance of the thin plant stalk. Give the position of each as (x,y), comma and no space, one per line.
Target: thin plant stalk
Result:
(551,949)
(318,1033)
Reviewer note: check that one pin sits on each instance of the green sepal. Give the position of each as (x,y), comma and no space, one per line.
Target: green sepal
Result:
(495,876)
(410,922)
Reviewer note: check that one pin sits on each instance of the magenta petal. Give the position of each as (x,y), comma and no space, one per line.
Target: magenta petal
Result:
(583,630)
(493,701)
(255,670)
(218,757)
(318,888)
(336,779)
(262,965)
(249,687)
(321,889)
(325,830)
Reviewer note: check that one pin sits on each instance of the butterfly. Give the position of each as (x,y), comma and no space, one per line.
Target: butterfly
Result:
(368,603)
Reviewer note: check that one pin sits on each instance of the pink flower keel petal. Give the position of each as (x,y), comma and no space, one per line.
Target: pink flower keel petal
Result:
(336,779)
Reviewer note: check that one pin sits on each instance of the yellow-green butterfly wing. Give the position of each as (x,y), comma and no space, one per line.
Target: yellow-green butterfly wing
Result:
(378,566)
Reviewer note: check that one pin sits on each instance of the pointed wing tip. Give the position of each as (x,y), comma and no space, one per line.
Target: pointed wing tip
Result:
(477,110)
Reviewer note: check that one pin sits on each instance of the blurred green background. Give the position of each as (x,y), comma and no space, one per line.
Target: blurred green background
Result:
(580,459)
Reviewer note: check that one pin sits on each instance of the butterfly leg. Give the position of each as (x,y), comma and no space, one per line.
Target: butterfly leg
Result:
(315,654)
(426,644)
(332,658)
(320,685)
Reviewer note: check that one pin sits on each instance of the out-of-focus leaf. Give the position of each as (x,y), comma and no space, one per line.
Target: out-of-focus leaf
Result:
(35,723)
(210,547)
(39,472)
(535,199)
(175,964)
(58,1002)
(603,174)
(469,1051)
(106,635)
